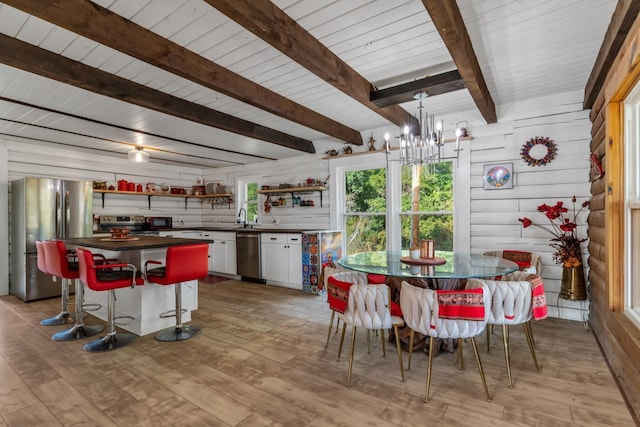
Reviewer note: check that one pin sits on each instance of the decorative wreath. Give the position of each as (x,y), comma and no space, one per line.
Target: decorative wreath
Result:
(531,161)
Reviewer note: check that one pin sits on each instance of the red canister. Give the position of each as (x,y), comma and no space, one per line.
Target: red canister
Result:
(131,186)
(139,188)
(122,185)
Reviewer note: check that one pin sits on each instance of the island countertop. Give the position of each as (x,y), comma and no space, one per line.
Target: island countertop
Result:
(134,243)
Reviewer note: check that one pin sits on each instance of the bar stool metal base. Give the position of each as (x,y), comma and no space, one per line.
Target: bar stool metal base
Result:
(78,332)
(61,318)
(176,333)
(109,342)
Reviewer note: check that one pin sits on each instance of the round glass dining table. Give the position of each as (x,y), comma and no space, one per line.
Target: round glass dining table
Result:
(456,266)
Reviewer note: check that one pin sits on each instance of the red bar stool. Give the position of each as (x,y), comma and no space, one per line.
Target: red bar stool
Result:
(183,263)
(104,277)
(58,264)
(64,316)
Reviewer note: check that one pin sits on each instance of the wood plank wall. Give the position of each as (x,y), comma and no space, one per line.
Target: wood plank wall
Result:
(51,161)
(287,171)
(494,213)
(618,337)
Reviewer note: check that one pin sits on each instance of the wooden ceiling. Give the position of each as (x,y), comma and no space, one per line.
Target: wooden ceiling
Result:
(213,83)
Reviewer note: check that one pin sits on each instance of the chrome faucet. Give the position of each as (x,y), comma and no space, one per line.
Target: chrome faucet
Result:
(242,219)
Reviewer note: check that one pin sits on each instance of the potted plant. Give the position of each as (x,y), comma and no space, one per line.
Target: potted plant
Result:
(566,243)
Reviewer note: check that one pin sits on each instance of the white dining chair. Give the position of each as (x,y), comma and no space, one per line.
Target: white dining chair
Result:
(512,303)
(422,313)
(368,307)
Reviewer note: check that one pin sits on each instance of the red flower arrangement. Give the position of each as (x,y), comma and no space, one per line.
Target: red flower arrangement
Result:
(564,231)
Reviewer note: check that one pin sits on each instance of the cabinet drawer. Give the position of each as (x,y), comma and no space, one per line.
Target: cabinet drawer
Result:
(221,235)
(274,238)
(294,239)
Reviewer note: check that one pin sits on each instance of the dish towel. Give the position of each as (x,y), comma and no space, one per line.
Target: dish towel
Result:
(539,299)
(465,305)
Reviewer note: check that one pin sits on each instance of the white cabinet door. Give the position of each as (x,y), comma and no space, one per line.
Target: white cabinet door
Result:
(295,265)
(206,235)
(282,259)
(230,266)
(275,266)
(223,252)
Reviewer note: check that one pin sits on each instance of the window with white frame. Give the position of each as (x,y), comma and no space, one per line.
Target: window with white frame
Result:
(632,204)
(381,205)
(365,208)
(248,198)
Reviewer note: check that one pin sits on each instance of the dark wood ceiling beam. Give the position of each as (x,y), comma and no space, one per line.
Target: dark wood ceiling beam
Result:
(431,86)
(623,18)
(271,24)
(110,29)
(33,59)
(448,21)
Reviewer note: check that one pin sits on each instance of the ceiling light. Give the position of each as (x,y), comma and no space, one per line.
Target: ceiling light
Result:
(138,155)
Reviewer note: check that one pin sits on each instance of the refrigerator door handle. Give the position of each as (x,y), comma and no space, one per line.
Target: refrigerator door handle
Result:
(58,215)
(67,215)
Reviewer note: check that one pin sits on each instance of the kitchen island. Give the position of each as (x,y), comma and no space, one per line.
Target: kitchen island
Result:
(143,303)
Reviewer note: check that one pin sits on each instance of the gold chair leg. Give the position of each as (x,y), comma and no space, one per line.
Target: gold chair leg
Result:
(353,344)
(333,313)
(533,341)
(410,348)
(368,341)
(484,381)
(529,335)
(460,355)
(337,325)
(426,396)
(507,356)
(488,331)
(344,329)
(384,350)
(395,330)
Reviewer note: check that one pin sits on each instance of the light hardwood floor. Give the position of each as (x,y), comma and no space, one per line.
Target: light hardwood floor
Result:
(260,360)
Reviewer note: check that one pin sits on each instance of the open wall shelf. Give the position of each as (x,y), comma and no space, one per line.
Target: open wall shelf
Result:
(292,191)
(157,194)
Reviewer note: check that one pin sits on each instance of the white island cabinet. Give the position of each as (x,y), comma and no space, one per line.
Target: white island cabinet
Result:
(281,255)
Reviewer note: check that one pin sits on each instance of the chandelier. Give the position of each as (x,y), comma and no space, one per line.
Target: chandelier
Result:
(426,146)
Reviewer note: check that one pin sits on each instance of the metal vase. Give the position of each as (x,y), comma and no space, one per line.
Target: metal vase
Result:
(573,284)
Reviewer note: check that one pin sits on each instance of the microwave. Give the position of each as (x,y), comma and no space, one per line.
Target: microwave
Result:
(159,222)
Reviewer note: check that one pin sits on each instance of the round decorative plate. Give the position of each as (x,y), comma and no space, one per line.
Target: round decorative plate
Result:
(423,261)
(498,176)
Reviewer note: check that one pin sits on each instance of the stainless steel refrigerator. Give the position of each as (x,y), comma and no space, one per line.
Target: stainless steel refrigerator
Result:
(44,209)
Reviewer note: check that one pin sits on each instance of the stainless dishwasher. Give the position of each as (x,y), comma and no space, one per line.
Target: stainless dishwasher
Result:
(248,256)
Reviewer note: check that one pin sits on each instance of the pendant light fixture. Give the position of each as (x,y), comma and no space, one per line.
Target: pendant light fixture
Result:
(138,155)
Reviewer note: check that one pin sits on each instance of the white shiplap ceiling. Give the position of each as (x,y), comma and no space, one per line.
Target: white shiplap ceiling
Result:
(525,49)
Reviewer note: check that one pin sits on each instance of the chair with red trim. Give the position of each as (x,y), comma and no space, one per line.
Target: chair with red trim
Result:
(527,261)
(64,316)
(183,263)
(514,302)
(108,277)
(335,296)
(368,307)
(446,314)
(59,265)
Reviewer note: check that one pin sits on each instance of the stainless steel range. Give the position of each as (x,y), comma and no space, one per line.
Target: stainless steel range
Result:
(136,224)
